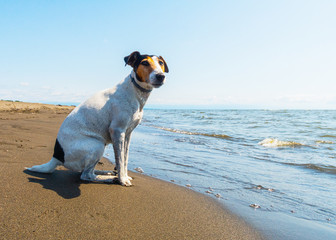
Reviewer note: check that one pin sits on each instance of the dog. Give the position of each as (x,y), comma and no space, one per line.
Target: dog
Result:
(107,117)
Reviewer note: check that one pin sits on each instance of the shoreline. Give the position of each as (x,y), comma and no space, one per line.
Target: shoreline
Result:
(58,205)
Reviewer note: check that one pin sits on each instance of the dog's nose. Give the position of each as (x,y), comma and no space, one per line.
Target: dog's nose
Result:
(160,77)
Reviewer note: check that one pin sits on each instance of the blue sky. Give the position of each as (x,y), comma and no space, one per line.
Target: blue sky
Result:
(230,54)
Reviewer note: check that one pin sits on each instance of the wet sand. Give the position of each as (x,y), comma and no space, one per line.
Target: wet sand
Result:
(60,206)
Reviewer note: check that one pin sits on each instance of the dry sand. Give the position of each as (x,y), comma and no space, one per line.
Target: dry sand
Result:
(60,206)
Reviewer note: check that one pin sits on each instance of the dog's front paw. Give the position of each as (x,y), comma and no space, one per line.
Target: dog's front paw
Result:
(125,181)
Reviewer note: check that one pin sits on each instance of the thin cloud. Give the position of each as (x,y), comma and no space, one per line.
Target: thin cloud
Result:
(25,84)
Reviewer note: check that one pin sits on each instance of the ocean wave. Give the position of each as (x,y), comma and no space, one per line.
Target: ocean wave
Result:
(273,142)
(329,136)
(317,167)
(222,136)
(324,142)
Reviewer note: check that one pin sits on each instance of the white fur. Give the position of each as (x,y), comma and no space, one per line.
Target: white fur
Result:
(107,117)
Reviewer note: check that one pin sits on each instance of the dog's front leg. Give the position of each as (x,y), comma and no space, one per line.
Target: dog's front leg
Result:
(118,136)
(127,144)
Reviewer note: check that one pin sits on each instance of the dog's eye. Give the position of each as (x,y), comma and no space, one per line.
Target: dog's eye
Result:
(161,63)
(145,63)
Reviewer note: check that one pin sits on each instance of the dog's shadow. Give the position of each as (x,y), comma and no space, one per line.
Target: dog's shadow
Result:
(65,183)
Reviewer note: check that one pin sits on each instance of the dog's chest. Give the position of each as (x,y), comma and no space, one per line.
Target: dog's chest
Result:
(135,120)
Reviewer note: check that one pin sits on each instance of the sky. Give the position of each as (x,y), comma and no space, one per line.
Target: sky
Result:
(221,54)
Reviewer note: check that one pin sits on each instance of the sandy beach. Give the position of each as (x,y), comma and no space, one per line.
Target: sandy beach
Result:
(60,206)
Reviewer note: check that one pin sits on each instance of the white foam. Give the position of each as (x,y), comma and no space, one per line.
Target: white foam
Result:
(273,142)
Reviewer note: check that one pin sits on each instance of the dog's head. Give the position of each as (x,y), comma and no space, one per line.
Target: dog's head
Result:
(149,69)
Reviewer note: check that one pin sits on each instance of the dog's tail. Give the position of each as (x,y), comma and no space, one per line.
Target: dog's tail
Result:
(48,167)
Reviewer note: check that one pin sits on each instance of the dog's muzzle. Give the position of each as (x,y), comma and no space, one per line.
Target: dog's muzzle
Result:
(159,79)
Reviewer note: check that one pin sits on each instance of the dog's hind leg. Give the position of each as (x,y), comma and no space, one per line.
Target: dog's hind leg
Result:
(91,158)
(48,167)
(90,175)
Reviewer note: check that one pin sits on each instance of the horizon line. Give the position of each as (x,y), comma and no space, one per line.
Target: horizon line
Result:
(189,106)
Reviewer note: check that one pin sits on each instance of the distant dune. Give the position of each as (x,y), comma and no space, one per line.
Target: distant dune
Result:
(24,107)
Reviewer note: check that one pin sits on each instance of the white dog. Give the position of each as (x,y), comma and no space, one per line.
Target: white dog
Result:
(107,117)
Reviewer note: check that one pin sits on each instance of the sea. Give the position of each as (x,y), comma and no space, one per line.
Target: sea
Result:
(276,169)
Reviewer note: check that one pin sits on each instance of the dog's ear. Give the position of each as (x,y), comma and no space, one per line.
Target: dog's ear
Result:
(165,64)
(132,58)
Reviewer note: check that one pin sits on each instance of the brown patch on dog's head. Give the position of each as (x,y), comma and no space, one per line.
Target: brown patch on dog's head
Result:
(146,66)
